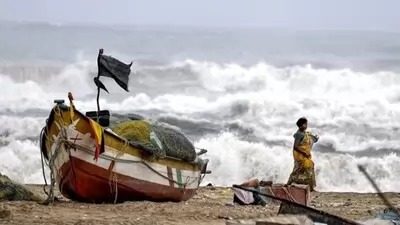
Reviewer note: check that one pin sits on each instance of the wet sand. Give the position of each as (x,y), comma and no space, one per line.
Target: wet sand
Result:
(208,206)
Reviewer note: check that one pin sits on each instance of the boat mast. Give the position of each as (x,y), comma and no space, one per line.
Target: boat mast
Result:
(98,86)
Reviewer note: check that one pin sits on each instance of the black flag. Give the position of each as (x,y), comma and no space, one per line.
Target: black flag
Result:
(111,67)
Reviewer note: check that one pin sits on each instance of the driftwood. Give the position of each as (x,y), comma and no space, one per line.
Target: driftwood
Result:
(289,207)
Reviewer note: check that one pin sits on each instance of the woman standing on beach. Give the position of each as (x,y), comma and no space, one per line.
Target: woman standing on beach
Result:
(303,171)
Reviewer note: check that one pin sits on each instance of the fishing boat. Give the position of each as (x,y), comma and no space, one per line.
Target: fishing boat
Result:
(89,162)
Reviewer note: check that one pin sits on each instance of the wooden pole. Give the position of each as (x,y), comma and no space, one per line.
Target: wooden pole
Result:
(98,87)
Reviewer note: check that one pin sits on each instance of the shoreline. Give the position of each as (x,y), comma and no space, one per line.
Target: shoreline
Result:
(227,187)
(211,205)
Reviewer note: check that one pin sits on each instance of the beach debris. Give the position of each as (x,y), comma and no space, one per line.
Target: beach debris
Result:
(391,215)
(390,207)
(314,214)
(289,207)
(13,191)
(377,221)
(240,222)
(274,220)
(285,220)
(295,193)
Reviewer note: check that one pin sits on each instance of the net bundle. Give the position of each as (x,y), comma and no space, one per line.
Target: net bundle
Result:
(13,191)
(166,139)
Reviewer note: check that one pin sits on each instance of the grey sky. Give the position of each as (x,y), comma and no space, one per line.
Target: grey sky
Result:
(310,14)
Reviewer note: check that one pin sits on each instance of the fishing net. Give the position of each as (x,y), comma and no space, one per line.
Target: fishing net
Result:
(165,139)
(117,118)
(12,191)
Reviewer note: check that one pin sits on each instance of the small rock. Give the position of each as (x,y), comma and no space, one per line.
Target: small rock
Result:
(211,186)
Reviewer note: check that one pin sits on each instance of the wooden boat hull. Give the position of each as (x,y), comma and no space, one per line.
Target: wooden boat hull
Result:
(81,184)
(123,172)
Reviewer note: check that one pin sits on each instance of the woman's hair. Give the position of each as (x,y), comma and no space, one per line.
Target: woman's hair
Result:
(301,121)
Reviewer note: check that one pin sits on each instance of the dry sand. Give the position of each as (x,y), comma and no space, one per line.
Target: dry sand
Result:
(208,206)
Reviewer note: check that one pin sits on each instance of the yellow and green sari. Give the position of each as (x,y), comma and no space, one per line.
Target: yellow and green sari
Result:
(303,171)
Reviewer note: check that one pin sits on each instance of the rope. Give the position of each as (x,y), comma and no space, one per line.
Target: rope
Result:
(115,178)
(51,157)
(42,160)
(50,194)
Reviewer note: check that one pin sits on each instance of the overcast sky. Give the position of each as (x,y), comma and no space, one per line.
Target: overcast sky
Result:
(309,14)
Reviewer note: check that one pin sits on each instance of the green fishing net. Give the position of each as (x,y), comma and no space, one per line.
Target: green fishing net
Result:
(12,191)
(166,139)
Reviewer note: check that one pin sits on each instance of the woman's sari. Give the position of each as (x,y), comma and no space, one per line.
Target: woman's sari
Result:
(303,171)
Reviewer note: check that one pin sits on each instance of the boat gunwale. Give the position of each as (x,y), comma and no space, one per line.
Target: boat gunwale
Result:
(65,108)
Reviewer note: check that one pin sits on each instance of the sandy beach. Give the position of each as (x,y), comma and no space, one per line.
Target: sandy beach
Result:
(208,206)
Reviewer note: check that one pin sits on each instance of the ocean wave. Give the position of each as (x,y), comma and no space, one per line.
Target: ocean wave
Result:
(244,114)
